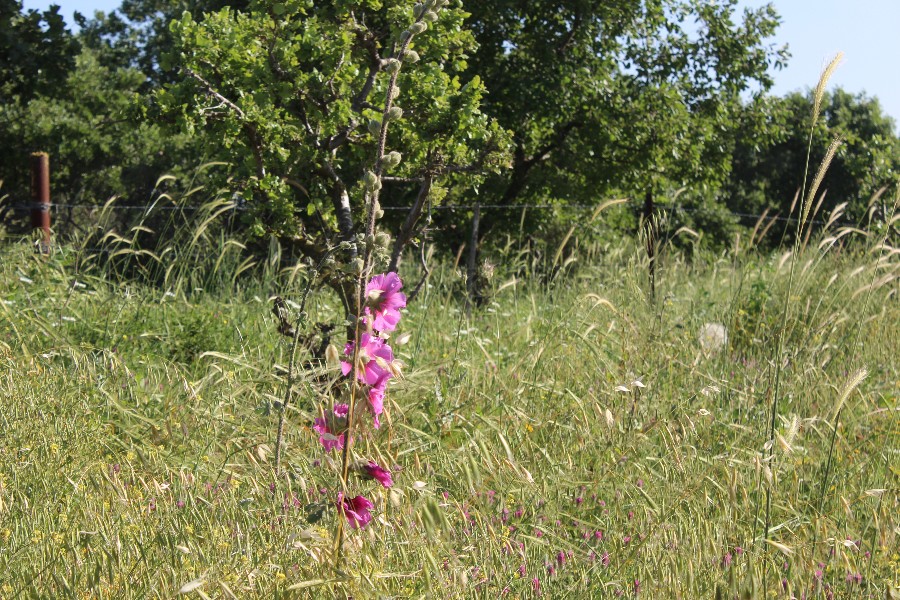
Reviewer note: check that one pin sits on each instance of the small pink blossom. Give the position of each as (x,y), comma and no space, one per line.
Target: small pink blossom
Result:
(385,300)
(375,356)
(334,421)
(372,471)
(355,510)
(376,402)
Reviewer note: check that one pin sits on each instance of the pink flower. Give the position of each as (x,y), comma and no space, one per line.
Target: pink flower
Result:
(372,471)
(355,510)
(333,422)
(385,300)
(376,401)
(375,355)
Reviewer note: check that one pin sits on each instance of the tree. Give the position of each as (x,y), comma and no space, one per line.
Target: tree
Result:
(769,175)
(36,50)
(99,147)
(612,97)
(301,97)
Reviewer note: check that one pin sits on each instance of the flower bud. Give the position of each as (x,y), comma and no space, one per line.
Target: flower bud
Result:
(382,239)
(374,127)
(405,35)
(370,180)
(418,27)
(370,242)
(395,113)
(411,56)
(395,91)
(430,16)
(392,159)
(418,9)
(356,265)
(332,358)
(392,65)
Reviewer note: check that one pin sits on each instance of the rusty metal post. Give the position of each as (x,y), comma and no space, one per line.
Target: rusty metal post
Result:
(40,197)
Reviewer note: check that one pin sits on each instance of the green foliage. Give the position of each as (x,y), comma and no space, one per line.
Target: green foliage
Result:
(610,98)
(294,94)
(768,176)
(98,146)
(36,50)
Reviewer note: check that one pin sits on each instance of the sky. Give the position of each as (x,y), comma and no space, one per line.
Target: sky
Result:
(866,31)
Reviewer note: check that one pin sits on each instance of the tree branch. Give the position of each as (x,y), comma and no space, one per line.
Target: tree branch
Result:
(250,127)
(406,231)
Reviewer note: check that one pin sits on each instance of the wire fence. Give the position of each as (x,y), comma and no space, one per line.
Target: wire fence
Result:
(147,208)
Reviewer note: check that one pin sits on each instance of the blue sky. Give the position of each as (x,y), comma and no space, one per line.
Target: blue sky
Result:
(867,31)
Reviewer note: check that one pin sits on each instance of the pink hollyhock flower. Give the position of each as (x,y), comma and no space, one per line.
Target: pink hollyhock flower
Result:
(333,422)
(376,401)
(375,355)
(385,300)
(371,470)
(355,510)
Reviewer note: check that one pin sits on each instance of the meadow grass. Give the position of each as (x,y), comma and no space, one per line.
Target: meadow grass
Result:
(570,439)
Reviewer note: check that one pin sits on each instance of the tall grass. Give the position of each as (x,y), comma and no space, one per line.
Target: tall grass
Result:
(141,386)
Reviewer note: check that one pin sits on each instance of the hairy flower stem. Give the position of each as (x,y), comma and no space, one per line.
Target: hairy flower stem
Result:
(301,317)
(372,195)
(371,215)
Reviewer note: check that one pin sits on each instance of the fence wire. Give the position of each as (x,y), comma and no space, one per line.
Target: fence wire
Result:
(448,207)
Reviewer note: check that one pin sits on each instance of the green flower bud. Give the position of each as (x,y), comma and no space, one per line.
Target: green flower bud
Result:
(395,113)
(356,265)
(405,35)
(418,27)
(370,242)
(430,16)
(418,9)
(370,180)
(392,159)
(411,56)
(392,65)
(395,91)
(374,127)
(382,239)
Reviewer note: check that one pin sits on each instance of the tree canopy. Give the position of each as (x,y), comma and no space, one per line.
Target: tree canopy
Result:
(502,102)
